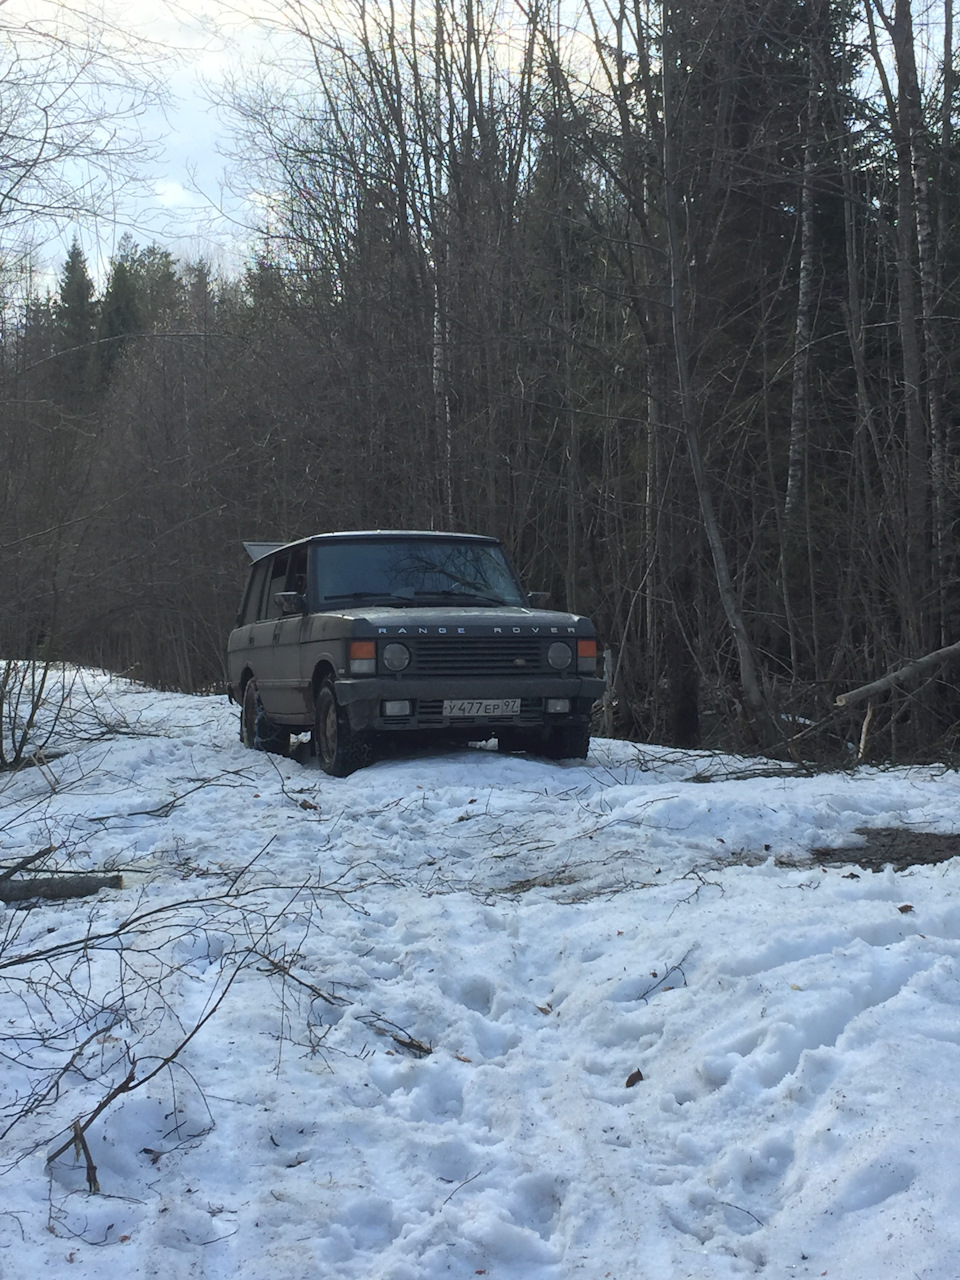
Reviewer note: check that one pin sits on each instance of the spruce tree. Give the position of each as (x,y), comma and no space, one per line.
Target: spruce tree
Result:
(75,319)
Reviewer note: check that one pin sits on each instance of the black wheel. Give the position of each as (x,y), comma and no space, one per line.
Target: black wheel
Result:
(568,742)
(256,731)
(339,749)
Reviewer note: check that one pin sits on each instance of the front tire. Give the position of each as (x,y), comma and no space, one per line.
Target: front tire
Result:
(339,749)
(568,742)
(257,733)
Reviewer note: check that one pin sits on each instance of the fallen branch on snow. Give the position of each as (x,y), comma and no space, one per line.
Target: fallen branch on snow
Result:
(55,888)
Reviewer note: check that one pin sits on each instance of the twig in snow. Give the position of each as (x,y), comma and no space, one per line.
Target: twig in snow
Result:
(400,1037)
(668,973)
(740,1209)
(12,870)
(337,1001)
(696,874)
(130,1082)
(80,1144)
(473,1177)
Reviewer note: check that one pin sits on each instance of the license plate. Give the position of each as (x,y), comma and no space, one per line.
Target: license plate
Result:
(471,708)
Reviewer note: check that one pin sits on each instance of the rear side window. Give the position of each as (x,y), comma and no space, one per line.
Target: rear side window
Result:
(277,581)
(250,609)
(284,571)
(297,575)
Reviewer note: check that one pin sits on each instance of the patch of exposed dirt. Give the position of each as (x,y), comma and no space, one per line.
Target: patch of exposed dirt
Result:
(899,847)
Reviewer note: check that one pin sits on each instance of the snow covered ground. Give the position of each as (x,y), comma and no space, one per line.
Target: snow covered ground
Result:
(467,1014)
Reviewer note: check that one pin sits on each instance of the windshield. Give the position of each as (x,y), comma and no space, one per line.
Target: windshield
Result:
(415,571)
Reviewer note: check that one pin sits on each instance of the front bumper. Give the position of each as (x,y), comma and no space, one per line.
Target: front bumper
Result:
(362,699)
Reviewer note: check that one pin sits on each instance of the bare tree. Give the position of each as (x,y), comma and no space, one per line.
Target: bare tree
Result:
(73,93)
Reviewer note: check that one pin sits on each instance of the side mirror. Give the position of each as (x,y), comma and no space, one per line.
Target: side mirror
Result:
(291,602)
(539,599)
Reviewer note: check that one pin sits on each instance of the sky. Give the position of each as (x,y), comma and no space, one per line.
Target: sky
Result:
(471,1014)
(192,200)
(185,202)
(191,203)
(191,208)
(188,180)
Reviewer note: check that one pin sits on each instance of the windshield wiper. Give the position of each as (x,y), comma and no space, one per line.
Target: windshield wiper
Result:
(472,596)
(374,597)
(416,598)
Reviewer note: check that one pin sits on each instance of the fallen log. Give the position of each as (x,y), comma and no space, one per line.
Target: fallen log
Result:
(914,668)
(57,887)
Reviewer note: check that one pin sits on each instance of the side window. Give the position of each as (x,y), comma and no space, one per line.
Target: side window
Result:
(297,578)
(277,581)
(251,601)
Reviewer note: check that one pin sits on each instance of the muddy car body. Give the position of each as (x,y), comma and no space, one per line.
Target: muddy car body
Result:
(355,636)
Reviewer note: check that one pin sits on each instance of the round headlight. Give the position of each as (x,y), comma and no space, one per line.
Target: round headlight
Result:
(560,656)
(396,656)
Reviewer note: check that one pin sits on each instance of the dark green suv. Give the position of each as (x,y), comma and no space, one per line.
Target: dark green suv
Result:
(356,636)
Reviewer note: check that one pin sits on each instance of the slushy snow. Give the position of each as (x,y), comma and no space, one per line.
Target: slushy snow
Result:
(466,1014)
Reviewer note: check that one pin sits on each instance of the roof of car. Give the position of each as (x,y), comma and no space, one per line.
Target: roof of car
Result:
(257,550)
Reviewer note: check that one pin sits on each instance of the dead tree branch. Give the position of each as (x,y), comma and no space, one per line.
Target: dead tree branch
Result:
(914,668)
(56,888)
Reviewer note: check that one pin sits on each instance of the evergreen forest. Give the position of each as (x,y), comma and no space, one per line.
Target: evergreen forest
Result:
(665,296)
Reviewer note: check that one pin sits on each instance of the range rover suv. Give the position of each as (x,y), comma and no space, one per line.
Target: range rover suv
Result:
(355,636)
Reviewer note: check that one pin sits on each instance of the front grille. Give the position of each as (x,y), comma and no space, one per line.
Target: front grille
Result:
(476,655)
